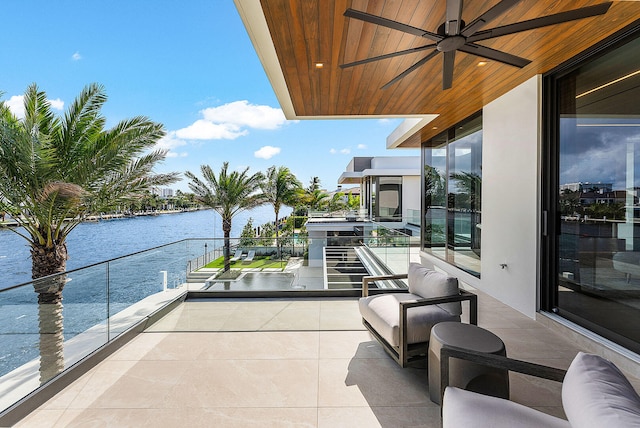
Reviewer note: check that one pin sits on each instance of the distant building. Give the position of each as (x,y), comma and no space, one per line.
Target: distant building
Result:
(162,192)
(587,187)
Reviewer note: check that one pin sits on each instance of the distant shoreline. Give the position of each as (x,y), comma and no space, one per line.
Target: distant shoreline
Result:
(98,217)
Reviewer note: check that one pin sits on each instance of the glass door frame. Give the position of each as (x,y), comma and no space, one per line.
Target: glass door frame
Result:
(550,182)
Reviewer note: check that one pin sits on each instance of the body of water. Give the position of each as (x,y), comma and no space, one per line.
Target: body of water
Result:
(91,243)
(86,293)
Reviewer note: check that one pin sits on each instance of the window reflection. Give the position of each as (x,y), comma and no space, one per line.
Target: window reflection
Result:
(452,179)
(597,200)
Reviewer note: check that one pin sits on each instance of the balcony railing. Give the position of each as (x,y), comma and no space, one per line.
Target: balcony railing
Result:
(98,303)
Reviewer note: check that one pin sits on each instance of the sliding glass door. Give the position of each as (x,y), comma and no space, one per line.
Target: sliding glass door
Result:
(594,164)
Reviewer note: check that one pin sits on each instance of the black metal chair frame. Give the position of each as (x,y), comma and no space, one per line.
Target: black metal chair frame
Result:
(495,361)
(406,353)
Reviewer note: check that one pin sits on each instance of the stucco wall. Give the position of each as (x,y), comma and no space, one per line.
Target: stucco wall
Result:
(510,197)
(410,195)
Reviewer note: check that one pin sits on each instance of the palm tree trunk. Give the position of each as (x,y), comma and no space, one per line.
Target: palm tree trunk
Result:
(51,344)
(48,261)
(226,229)
(277,236)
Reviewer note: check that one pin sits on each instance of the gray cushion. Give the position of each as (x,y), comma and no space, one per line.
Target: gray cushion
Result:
(428,283)
(469,409)
(595,393)
(382,311)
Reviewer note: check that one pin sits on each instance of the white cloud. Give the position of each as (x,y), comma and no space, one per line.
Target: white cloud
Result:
(362,146)
(177,155)
(232,120)
(333,151)
(345,151)
(244,114)
(76,56)
(16,105)
(205,130)
(171,142)
(57,104)
(267,152)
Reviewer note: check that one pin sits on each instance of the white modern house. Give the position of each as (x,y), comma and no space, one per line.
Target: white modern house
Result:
(389,188)
(389,197)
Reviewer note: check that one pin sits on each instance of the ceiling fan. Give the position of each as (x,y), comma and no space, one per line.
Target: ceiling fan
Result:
(456,35)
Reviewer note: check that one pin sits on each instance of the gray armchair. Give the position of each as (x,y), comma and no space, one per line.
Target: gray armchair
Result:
(401,319)
(595,393)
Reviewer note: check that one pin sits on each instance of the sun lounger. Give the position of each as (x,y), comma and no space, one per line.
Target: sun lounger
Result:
(250,255)
(237,256)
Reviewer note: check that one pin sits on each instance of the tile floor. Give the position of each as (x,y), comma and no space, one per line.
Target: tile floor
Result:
(280,363)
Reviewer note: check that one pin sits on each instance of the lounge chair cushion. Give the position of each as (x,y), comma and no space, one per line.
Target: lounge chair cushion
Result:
(428,283)
(382,312)
(595,393)
(468,409)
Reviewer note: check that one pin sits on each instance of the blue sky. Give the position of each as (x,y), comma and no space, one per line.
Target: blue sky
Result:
(188,64)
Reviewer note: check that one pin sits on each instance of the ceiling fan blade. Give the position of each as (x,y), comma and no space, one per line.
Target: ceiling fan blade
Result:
(488,16)
(389,55)
(394,25)
(411,69)
(495,55)
(452,25)
(558,18)
(447,69)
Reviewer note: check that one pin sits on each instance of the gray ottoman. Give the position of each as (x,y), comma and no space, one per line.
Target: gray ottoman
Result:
(464,374)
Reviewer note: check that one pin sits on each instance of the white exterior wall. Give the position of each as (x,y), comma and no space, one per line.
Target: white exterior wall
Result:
(510,200)
(511,197)
(395,162)
(410,195)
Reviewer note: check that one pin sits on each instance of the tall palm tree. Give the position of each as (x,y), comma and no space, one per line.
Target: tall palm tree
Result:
(280,187)
(228,194)
(56,170)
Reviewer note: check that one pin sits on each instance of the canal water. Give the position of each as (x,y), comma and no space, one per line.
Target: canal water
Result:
(91,243)
(85,296)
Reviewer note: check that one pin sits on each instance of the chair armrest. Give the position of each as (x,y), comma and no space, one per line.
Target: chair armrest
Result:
(463,296)
(492,360)
(367,279)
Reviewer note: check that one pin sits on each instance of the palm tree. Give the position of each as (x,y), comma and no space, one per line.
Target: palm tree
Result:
(55,171)
(228,194)
(280,187)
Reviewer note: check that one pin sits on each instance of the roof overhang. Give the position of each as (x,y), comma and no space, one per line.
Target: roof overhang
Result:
(356,177)
(291,37)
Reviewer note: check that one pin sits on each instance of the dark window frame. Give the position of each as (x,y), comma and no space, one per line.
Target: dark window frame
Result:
(550,218)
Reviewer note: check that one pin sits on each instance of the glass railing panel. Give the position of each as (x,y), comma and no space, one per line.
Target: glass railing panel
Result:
(44,332)
(142,282)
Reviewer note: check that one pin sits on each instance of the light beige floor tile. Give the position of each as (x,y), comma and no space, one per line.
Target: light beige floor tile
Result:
(123,418)
(387,417)
(295,318)
(249,383)
(127,385)
(349,344)
(260,346)
(342,318)
(251,417)
(370,382)
(142,346)
(64,398)
(41,418)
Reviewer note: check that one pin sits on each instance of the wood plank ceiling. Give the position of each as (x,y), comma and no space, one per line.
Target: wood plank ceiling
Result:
(306,32)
